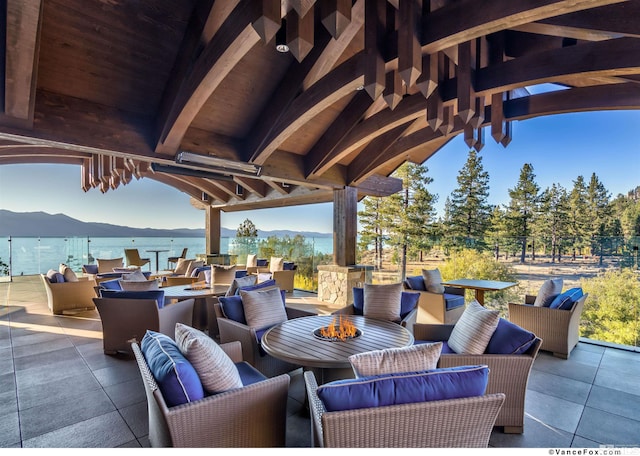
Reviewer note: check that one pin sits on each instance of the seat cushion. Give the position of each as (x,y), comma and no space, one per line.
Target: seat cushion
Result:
(175,375)
(433,280)
(396,360)
(548,292)
(452,301)
(216,370)
(566,300)
(263,308)
(382,301)
(415,283)
(472,332)
(249,374)
(404,388)
(509,339)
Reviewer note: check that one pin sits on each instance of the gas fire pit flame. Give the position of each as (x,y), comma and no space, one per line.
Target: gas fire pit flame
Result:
(340,329)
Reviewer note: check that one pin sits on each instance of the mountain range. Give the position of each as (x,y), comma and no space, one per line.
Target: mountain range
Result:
(34,224)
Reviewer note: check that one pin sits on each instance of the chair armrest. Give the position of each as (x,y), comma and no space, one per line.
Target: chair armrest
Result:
(425,331)
(177,312)
(454,290)
(292,313)
(347,310)
(231,330)
(529,299)
(234,350)
(410,319)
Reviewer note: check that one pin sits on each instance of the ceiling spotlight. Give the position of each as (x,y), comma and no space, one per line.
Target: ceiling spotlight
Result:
(360,87)
(281,38)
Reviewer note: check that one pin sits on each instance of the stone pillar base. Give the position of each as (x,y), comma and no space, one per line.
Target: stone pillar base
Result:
(335,283)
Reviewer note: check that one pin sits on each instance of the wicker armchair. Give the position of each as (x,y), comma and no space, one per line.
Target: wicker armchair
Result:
(231,330)
(433,308)
(251,416)
(453,423)
(70,296)
(124,319)
(508,374)
(559,329)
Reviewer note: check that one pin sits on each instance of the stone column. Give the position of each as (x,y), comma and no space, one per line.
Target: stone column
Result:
(335,283)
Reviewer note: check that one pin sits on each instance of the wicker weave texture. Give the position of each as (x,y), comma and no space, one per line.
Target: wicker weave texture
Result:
(69,295)
(456,423)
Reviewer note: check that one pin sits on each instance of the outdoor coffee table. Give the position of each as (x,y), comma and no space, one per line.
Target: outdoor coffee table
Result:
(294,341)
(200,316)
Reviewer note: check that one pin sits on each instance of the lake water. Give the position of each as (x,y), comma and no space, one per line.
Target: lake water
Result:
(37,255)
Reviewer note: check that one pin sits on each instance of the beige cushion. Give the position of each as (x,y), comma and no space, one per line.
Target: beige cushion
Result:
(276,264)
(135,276)
(214,367)
(223,275)
(246,281)
(68,273)
(549,290)
(252,261)
(382,301)
(136,285)
(433,280)
(107,265)
(193,265)
(263,308)
(396,360)
(182,266)
(472,332)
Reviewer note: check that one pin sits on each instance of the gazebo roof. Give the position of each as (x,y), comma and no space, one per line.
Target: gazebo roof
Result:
(139,88)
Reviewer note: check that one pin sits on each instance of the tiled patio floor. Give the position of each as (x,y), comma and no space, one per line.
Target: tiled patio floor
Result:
(58,389)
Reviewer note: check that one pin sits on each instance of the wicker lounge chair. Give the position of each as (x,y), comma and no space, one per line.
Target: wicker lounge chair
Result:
(251,416)
(124,319)
(69,296)
(453,423)
(559,329)
(508,374)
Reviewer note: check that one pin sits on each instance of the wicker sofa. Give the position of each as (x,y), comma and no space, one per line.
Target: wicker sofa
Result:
(509,374)
(70,296)
(559,329)
(251,416)
(453,423)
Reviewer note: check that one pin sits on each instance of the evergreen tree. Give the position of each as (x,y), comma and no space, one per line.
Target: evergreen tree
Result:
(246,238)
(499,233)
(469,211)
(247,229)
(600,211)
(523,207)
(370,219)
(578,226)
(553,217)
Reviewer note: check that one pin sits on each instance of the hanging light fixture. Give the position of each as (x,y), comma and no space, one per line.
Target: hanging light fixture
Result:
(281,38)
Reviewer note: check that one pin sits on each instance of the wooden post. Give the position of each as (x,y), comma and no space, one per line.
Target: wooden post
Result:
(212,230)
(345,226)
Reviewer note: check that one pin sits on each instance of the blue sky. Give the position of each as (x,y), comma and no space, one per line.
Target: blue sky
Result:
(560,148)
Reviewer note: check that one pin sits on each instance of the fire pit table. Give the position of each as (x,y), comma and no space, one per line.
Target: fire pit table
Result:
(299,341)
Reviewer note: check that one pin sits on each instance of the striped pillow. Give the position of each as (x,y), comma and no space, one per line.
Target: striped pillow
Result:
(214,367)
(433,280)
(263,308)
(382,301)
(472,332)
(396,360)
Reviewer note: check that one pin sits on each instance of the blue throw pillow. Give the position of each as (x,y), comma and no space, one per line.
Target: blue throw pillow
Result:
(415,283)
(90,268)
(358,300)
(410,387)
(197,271)
(232,308)
(408,301)
(158,295)
(176,377)
(288,266)
(565,301)
(55,276)
(240,273)
(261,262)
(113,284)
(509,339)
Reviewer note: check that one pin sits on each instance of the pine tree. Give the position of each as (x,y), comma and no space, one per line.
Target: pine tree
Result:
(247,229)
(247,238)
(469,210)
(598,199)
(370,219)
(553,217)
(578,217)
(523,207)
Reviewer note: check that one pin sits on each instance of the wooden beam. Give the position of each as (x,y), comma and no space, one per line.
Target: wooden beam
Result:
(345,226)
(335,15)
(497,117)
(409,50)
(255,186)
(302,7)
(269,20)
(466,100)
(23,24)
(428,79)
(300,33)
(392,93)
(375,14)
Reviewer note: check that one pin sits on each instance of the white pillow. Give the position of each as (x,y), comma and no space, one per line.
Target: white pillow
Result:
(433,280)
(263,308)
(472,332)
(214,367)
(548,291)
(135,285)
(276,264)
(182,266)
(246,281)
(68,273)
(252,261)
(414,358)
(194,264)
(382,301)
(223,275)
(107,265)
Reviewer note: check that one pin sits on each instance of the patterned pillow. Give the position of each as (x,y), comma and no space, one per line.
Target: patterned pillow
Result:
(134,285)
(548,291)
(382,301)
(67,272)
(223,275)
(246,281)
(216,370)
(433,280)
(472,332)
(177,379)
(396,360)
(182,266)
(263,308)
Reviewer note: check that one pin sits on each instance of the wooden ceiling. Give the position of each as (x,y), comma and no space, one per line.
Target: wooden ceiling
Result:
(120,87)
